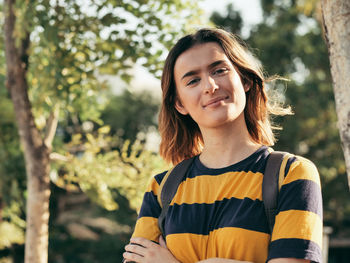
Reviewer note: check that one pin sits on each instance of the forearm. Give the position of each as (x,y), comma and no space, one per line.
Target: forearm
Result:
(276,260)
(221,260)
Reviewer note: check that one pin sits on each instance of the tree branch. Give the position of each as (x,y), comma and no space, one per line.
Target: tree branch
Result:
(58,157)
(51,126)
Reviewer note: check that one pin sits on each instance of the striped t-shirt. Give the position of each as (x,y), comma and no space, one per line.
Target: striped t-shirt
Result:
(220,213)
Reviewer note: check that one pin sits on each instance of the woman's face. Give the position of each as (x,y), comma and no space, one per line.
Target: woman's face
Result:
(208,86)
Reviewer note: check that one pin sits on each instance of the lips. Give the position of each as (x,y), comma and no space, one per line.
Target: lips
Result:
(213,101)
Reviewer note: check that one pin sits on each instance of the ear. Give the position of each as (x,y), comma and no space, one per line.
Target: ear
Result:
(179,107)
(246,86)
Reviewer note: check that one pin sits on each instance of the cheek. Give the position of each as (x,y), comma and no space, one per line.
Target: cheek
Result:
(244,97)
(241,98)
(188,97)
(239,88)
(184,102)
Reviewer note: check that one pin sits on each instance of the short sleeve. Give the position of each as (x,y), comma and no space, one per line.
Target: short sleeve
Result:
(298,227)
(147,221)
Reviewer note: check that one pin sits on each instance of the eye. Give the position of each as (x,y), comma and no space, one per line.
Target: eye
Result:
(192,82)
(220,71)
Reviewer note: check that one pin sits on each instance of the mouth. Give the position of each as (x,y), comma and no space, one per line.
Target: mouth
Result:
(215,101)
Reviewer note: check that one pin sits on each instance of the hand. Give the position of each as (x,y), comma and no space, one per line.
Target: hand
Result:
(141,250)
(222,260)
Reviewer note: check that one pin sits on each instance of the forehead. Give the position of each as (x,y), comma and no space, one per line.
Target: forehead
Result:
(199,56)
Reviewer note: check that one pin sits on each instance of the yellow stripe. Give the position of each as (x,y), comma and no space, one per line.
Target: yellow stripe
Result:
(239,243)
(282,169)
(302,169)
(298,224)
(153,186)
(209,188)
(147,227)
(187,247)
(229,243)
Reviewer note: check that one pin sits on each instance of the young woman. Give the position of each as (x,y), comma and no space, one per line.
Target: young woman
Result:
(215,107)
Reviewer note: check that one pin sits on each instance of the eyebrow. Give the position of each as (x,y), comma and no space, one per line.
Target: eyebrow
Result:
(194,72)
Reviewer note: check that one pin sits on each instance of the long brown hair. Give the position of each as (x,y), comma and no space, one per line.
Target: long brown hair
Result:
(180,135)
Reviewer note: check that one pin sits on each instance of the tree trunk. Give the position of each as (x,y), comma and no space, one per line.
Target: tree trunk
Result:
(36,153)
(336,20)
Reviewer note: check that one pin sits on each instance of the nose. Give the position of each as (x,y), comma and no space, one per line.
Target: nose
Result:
(210,85)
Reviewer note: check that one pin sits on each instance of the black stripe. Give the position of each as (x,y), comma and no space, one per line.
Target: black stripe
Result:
(288,164)
(159,177)
(295,248)
(150,206)
(301,195)
(203,218)
(254,163)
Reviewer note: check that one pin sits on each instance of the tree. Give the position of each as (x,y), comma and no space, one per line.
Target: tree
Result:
(36,149)
(336,21)
(232,21)
(54,50)
(131,114)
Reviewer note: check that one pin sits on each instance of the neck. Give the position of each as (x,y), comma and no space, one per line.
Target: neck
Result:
(227,145)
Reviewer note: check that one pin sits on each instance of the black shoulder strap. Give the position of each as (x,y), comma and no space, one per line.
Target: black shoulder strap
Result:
(270,187)
(170,187)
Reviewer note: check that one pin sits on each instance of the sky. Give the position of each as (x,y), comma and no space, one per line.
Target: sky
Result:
(250,9)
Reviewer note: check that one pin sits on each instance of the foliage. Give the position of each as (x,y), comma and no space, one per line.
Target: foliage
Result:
(12,170)
(82,231)
(131,114)
(12,177)
(231,22)
(98,170)
(289,42)
(10,234)
(73,42)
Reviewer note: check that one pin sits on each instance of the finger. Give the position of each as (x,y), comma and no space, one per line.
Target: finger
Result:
(132,257)
(162,242)
(143,242)
(135,248)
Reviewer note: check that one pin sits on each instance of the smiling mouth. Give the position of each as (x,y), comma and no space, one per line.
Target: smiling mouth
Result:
(215,102)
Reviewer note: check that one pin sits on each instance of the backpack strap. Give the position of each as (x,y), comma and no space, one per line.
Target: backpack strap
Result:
(165,178)
(168,188)
(272,182)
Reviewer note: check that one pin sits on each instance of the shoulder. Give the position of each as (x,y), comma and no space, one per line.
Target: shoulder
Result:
(155,182)
(300,168)
(301,189)
(158,178)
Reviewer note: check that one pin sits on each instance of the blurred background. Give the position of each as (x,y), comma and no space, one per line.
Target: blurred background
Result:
(99,63)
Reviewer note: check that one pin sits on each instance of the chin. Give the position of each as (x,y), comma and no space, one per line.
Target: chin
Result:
(217,123)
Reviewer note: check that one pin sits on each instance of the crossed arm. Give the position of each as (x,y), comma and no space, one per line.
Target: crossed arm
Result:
(276,260)
(144,251)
